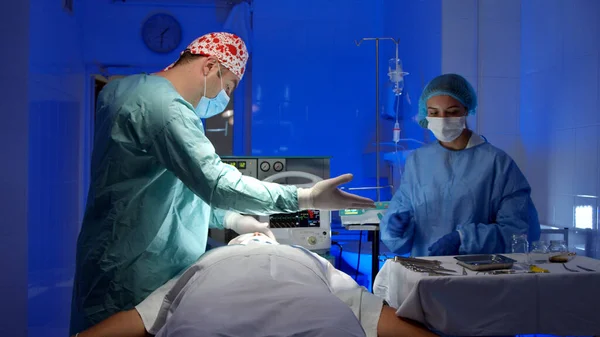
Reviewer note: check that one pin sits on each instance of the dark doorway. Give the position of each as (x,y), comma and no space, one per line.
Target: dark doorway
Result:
(98,85)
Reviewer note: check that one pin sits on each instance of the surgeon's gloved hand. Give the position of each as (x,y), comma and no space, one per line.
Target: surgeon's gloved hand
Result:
(399,223)
(325,195)
(446,245)
(243,224)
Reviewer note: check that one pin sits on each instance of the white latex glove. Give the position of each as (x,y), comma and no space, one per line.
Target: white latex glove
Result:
(243,224)
(325,195)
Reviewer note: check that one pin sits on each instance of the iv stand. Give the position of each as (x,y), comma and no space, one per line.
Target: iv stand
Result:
(375,227)
(377,137)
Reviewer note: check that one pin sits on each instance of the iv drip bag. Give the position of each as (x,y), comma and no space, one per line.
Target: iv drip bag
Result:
(396,75)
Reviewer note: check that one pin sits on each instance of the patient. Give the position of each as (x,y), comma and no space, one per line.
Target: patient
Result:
(257,287)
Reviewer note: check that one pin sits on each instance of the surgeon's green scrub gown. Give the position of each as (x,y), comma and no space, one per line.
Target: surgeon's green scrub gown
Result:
(156,186)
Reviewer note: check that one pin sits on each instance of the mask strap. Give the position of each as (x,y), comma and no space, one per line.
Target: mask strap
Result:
(204,86)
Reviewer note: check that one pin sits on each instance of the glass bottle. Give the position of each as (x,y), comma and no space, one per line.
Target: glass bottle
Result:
(539,252)
(520,248)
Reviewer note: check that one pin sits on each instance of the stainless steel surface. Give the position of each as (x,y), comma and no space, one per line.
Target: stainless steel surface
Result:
(413,260)
(371,228)
(420,268)
(509,271)
(550,234)
(440,274)
(485,262)
(224,129)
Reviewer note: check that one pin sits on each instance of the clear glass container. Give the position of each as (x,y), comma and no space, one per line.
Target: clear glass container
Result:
(558,251)
(557,247)
(520,248)
(539,252)
(520,245)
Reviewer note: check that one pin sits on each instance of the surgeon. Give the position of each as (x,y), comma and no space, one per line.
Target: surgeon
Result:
(158,185)
(460,195)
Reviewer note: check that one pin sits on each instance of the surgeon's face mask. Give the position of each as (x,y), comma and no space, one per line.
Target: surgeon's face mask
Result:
(209,107)
(253,239)
(446,129)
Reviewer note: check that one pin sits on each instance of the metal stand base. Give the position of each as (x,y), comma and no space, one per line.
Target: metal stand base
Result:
(374,246)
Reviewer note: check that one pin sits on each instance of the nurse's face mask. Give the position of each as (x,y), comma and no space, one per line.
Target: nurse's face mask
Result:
(209,107)
(446,118)
(446,129)
(252,239)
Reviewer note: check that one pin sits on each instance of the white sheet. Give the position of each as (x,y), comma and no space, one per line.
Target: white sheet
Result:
(559,303)
(219,270)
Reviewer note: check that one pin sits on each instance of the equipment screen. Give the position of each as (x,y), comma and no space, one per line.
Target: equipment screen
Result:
(305,219)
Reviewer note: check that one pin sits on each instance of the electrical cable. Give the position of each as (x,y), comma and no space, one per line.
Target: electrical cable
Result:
(358,259)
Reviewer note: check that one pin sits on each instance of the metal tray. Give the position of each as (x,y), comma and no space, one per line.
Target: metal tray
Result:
(416,261)
(485,262)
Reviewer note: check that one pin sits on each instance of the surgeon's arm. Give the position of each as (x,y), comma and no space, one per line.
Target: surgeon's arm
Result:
(516,215)
(217,218)
(124,324)
(217,215)
(178,142)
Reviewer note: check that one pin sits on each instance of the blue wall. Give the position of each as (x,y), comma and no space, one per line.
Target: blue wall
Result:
(312,87)
(560,123)
(57,98)
(14,135)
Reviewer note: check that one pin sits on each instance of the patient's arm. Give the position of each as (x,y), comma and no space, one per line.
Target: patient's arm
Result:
(375,317)
(124,324)
(390,325)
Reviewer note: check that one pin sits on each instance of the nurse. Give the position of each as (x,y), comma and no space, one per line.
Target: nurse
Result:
(460,195)
(157,183)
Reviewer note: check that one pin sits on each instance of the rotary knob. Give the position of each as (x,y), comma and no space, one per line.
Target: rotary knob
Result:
(265,166)
(278,166)
(312,240)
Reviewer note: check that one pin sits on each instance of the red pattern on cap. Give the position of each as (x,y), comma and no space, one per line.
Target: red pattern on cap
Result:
(228,48)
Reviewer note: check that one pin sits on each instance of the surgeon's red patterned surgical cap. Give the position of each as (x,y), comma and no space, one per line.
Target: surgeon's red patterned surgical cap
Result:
(228,48)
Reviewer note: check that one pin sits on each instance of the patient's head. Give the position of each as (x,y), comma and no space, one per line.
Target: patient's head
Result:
(255,238)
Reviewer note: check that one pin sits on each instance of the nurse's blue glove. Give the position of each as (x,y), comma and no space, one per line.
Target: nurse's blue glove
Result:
(243,224)
(446,245)
(325,195)
(398,224)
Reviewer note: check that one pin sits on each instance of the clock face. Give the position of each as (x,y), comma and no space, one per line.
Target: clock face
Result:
(161,33)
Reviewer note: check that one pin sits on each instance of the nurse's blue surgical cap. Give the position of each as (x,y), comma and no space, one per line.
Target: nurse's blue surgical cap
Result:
(452,85)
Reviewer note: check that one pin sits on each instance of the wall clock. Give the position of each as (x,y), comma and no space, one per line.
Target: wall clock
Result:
(161,33)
